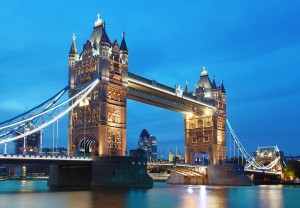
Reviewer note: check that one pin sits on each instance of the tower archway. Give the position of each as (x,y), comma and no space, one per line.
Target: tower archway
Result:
(87,146)
(201,158)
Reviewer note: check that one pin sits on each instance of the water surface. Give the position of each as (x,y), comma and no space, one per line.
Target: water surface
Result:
(37,194)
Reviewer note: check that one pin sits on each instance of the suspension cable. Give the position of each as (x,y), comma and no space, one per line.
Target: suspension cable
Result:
(87,90)
(250,160)
(55,97)
(53,108)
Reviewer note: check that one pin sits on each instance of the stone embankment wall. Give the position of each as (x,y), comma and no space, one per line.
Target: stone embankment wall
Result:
(120,172)
(224,175)
(69,175)
(228,175)
(178,178)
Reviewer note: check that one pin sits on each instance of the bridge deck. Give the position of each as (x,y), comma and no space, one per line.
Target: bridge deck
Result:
(48,159)
(154,93)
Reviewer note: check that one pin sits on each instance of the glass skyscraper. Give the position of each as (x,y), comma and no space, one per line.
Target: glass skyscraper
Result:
(148,143)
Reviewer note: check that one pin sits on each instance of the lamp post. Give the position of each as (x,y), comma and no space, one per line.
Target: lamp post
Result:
(24,145)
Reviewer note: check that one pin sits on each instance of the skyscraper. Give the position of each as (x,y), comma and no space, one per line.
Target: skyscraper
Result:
(148,143)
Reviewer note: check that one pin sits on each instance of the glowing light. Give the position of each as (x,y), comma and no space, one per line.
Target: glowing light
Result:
(204,72)
(207,112)
(84,102)
(190,190)
(99,21)
(190,115)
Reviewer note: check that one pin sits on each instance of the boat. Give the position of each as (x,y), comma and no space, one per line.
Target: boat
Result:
(3,178)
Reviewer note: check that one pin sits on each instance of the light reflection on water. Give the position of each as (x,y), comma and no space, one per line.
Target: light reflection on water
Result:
(37,194)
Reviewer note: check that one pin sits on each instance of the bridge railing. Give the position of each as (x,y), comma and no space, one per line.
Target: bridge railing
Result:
(158,163)
(48,157)
(168,89)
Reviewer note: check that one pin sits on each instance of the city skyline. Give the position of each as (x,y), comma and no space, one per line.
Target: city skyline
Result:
(253,51)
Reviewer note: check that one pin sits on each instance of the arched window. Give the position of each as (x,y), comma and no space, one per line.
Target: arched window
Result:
(200,123)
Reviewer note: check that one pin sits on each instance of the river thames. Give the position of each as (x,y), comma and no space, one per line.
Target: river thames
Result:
(15,194)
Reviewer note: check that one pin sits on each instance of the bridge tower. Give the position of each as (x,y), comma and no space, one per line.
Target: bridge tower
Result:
(98,125)
(205,128)
(269,154)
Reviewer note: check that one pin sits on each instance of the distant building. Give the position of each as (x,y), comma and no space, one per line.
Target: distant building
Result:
(265,152)
(269,154)
(294,158)
(54,150)
(153,142)
(32,142)
(148,144)
(171,156)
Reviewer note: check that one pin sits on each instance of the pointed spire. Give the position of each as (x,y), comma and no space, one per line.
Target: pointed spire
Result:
(73,49)
(222,87)
(213,85)
(115,43)
(195,90)
(104,37)
(186,90)
(123,46)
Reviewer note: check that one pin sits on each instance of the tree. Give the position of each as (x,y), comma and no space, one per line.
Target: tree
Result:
(292,170)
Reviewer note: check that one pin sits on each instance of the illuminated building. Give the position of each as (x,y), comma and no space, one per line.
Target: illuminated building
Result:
(98,125)
(32,142)
(268,154)
(171,156)
(153,142)
(148,144)
(205,130)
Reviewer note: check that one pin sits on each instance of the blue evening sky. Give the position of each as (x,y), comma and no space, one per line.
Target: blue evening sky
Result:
(253,45)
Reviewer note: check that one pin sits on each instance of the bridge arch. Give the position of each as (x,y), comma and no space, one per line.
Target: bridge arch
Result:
(201,158)
(86,145)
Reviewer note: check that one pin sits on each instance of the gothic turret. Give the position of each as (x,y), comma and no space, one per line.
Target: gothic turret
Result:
(186,90)
(123,50)
(73,54)
(73,58)
(214,89)
(104,45)
(222,87)
(115,51)
(223,91)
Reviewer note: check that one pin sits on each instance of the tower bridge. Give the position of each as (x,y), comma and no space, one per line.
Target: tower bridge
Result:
(99,86)
(101,119)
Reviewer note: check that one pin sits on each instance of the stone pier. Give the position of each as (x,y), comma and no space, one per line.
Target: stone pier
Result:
(110,171)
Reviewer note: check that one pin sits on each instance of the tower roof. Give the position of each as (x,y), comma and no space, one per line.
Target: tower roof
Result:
(115,43)
(123,46)
(186,90)
(204,80)
(222,87)
(99,30)
(213,84)
(272,149)
(104,37)
(73,49)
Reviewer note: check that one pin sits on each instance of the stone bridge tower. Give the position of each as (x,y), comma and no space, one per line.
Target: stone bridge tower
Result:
(98,125)
(205,128)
